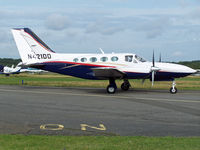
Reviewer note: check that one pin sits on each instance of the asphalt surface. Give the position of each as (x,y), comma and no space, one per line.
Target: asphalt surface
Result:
(89,111)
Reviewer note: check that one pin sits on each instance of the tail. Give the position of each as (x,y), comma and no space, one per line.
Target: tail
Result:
(31,48)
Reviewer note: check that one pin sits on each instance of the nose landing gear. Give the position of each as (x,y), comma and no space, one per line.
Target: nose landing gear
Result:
(173,89)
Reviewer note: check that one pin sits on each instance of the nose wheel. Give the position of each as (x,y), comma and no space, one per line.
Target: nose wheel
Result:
(173,89)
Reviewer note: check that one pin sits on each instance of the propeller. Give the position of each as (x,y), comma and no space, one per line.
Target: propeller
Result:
(153,60)
(154,69)
(160,60)
(143,80)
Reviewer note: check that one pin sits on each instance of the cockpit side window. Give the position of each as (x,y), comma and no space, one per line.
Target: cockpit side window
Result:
(135,61)
(140,59)
(129,58)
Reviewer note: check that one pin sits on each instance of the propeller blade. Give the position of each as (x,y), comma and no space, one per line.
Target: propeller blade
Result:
(160,58)
(153,60)
(152,80)
(143,80)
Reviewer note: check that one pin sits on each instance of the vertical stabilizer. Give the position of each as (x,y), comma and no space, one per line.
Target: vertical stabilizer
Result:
(31,48)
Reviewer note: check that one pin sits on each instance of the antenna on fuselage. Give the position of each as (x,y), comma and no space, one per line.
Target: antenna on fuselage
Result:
(101,51)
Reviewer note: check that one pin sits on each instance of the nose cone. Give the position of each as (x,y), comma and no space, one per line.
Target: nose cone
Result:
(189,70)
(176,70)
(184,69)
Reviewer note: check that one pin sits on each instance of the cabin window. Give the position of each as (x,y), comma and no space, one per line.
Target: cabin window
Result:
(114,58)
(83,59)
(75,60)
(93,59)
(104,59)
(129,58)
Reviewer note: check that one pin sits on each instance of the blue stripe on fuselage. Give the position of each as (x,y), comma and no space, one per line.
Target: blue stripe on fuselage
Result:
(80,71)
(85,71)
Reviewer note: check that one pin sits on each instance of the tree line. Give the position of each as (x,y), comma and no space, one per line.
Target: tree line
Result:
(9,62)
(193,64)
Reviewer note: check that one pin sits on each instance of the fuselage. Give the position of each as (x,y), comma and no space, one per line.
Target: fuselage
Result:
(135,67)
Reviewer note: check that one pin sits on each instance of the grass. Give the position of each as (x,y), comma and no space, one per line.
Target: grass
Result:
(189,83)
(35,142)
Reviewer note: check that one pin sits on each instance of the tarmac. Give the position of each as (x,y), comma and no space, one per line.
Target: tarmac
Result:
(31,110)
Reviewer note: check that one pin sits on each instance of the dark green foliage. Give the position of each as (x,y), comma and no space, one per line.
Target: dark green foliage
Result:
(193,64)
(9,61)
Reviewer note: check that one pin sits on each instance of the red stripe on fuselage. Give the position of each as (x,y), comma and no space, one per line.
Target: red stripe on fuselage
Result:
(84,64)
(74,63)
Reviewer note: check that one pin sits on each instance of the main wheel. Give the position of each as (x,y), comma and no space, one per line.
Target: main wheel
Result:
(111,89)
(125,86)
(173,90)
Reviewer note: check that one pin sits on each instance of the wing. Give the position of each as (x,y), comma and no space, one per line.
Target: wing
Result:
(105,73)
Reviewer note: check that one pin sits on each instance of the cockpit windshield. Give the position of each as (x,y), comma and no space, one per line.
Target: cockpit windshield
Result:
(140,59)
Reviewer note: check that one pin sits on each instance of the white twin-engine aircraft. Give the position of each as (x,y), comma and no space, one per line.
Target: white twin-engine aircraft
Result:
(9,70)
(36,54)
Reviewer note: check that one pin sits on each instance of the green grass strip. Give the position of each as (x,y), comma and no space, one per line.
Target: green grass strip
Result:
(188,83)
(33,142)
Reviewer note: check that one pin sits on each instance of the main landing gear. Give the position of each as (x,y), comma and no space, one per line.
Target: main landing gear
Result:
(112,87)
(126,85)
(173,89)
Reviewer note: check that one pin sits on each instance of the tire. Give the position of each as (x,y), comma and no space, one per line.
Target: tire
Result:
(111,89)
(125,87)
(173,90)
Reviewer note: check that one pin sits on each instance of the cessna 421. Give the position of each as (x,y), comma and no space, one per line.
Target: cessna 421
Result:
(36,54)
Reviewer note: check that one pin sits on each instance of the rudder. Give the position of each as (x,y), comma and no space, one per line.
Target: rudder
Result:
(31,48)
